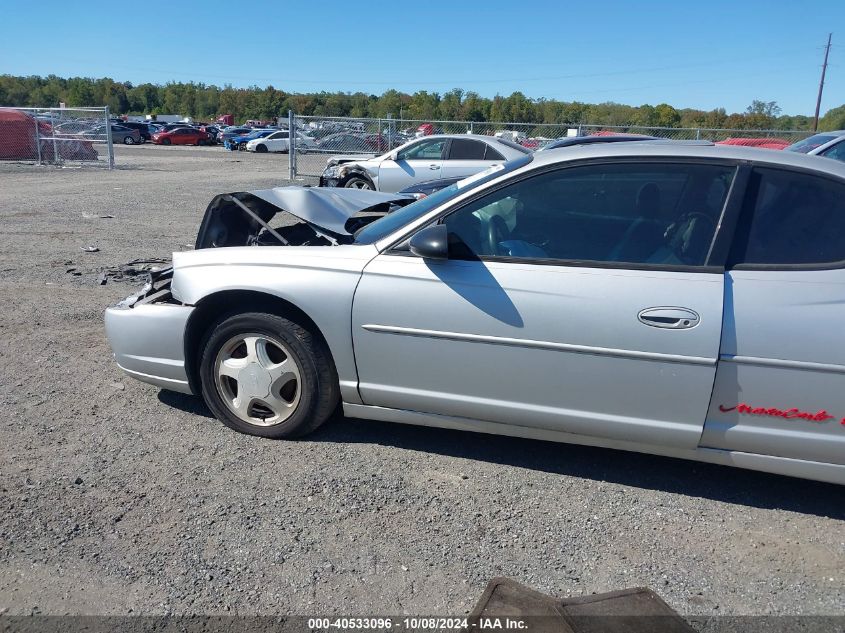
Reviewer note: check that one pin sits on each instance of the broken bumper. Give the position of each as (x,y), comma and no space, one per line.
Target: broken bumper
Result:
(148,340)
(329,182)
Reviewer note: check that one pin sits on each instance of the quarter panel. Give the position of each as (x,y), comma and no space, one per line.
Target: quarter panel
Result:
(783,348)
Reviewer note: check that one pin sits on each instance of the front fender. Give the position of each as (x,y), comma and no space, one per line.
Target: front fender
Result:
(319,281)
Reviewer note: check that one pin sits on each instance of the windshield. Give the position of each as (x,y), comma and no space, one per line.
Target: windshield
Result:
(393,221)
(809,144)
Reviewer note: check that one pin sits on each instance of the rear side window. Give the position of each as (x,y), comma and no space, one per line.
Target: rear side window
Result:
(492,154)
(466,149)
(795,218)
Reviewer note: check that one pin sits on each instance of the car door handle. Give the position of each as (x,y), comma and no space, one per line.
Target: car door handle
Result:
(669,318)
(434,166)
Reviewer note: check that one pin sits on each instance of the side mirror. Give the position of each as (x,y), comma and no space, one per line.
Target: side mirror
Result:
(431,242)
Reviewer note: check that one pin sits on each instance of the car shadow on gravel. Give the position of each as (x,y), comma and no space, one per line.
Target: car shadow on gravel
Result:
(695,479)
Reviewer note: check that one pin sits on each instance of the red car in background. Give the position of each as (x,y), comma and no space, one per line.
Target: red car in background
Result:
(767,142)
(181,136)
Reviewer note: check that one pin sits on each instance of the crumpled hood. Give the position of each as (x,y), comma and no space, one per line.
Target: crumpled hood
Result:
(327,209)
(342,159)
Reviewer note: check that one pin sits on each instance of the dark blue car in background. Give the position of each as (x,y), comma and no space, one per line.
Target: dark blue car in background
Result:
(239,142)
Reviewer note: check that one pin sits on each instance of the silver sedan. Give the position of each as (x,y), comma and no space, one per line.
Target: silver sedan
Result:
(681,300)
(427,158)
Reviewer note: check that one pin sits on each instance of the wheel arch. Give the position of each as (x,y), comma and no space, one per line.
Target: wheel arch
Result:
(219,305)
(358,172)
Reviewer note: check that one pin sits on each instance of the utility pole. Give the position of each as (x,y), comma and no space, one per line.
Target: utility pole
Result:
(821,84)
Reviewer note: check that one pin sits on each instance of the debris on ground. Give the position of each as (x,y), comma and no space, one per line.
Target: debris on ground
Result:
(91,216)
(90,249)
(133,271)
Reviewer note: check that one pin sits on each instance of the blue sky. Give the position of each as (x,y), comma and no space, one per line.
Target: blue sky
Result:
(689,54)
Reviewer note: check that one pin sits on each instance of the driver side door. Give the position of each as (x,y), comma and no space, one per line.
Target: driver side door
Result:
(416,163)
(562,305)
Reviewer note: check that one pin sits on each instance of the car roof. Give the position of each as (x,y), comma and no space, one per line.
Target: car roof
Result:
(680,149)
(480,137)
(608,138)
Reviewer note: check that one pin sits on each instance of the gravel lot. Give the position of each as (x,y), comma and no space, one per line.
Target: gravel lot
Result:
(119,498)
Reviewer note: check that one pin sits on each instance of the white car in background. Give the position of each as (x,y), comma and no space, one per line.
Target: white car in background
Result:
(427,158)
(827,144)
(280,142)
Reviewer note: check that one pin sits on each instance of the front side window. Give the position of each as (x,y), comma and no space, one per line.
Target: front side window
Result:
(424,150)
(796,218)
(836,152)
(624,213)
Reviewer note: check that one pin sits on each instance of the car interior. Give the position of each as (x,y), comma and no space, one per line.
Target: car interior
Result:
(659,214)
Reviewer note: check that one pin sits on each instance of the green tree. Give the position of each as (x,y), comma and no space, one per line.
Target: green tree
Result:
(833,119)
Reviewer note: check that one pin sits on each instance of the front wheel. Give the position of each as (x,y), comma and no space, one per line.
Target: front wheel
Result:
(261,149)
(265,375)
(358,182)
(165,141)
(128,140)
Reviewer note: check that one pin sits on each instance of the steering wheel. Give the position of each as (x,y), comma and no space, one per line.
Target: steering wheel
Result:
(497,231)
(680,246)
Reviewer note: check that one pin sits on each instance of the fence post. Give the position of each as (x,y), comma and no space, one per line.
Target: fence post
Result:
(56,160)
(38,135)
(291,146)
(698,134)
(109,138)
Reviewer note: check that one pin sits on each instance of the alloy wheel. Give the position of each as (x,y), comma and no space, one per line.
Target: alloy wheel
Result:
(258,379)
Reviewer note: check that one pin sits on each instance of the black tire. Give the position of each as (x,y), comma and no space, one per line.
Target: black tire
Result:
(261,149)
(201,142)
(359,182)
(165,141)
(319,390)
(128,140)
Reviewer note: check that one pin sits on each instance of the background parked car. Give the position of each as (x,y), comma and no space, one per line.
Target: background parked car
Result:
(119,134)
(212,131)
(827,144)
(143,129)
(344,142)
(181,136)
(765,142)
(169,127)
(239,142)
(426,158)
(231,132)
(279,141)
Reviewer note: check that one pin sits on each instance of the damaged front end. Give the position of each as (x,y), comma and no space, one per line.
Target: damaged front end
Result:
(292,216)
(155,290)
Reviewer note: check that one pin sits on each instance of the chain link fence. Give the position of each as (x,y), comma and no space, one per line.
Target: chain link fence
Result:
(58,136)
(318,138)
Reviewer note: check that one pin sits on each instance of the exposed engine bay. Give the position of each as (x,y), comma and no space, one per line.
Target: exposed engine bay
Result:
(326,216)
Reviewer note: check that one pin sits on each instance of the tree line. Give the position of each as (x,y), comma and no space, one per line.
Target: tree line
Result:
(204,102)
